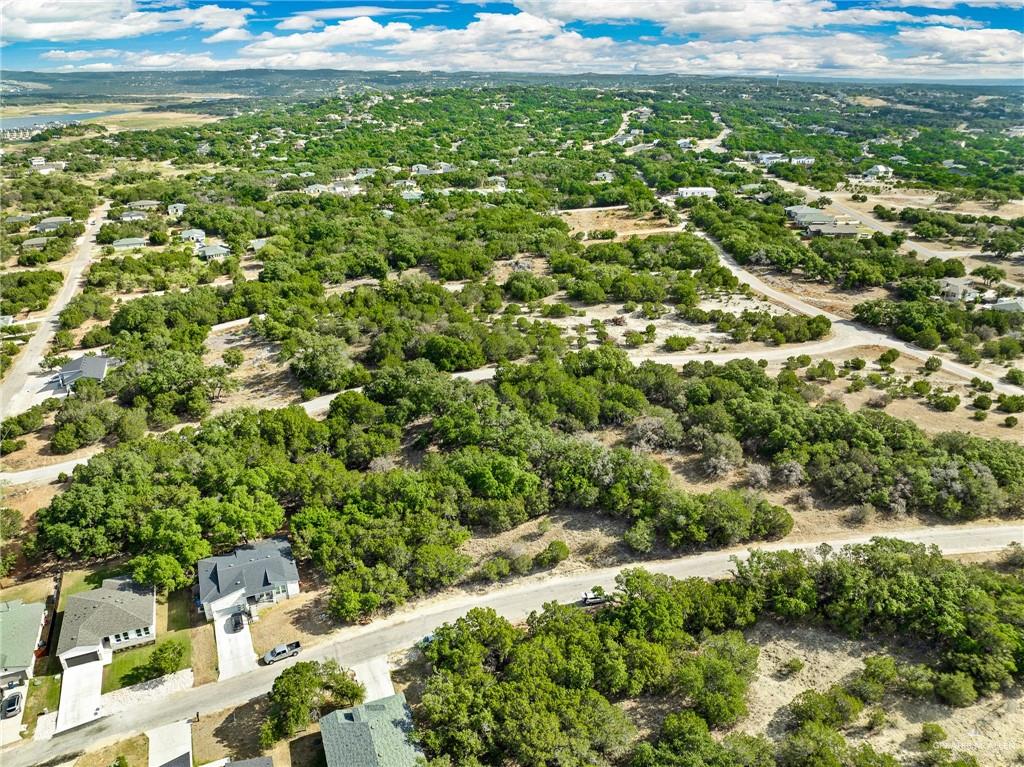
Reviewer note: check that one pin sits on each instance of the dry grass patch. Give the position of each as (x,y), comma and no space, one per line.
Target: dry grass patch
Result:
(303,617)
(134,750)
(232,732)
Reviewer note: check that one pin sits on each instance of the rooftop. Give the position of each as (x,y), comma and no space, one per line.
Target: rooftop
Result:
(254,568)
(19,632)
(375,734)
(118,605)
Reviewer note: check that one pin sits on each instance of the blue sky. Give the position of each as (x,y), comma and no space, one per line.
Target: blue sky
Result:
(897,39)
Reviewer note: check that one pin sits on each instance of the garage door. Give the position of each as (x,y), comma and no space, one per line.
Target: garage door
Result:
(78,660)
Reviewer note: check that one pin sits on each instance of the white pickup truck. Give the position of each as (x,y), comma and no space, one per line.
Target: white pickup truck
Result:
(281,652)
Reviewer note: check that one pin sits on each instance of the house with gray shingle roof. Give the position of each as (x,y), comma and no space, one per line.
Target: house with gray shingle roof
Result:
(94,366)
(20,628)
(118,615)
(248,578)
(375,734)
(126,243)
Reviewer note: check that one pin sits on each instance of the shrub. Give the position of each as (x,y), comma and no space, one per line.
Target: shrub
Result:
(932,364)
(932,733)
(556,552)
(792,666)
(679,343)
(1010,421)
(956,689)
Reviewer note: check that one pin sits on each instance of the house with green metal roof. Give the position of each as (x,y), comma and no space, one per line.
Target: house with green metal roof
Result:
(375,734)
(20,628)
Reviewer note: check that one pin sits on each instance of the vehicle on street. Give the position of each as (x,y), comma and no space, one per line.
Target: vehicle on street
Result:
(11,705)
(591,598)
(281,652)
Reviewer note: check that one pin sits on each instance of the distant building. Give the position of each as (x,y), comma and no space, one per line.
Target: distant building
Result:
(213,252)
(144,204)
(955,289)
(605,176)
(804,215)
(90,366)
(250,576)
(1009,305)
(805,161)
(375,734)
(686,192)
(685,143)
(35,243)
(837,230)
(256,245)
(118,615)
(176,209)
(193,235)
(52,223)
(878,171)
(133,215)
(21,626)
(770,158)
(129,242)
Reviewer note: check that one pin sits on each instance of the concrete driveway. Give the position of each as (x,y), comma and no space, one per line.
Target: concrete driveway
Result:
(10,729)
(375,674)
(170,744)
(234,648)
(80,689)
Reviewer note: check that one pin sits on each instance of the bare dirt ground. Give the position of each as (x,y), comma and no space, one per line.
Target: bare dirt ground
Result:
(821,295)
(899,197)
(153,120)
(992,730)
(303,618)
(233,732)
(618,218)
(264,381)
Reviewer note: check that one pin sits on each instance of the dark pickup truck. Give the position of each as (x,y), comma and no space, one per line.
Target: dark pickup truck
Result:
(281,652)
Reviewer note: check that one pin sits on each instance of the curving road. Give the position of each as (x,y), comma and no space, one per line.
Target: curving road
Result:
(23,385)
(356,644)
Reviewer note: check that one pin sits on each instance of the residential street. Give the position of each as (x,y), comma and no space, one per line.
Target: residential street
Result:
(358,644)
(21,387)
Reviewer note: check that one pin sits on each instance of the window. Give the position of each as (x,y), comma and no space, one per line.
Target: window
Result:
(138,632)
(146,631)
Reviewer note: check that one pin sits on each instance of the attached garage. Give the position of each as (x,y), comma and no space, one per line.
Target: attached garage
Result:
(78,660)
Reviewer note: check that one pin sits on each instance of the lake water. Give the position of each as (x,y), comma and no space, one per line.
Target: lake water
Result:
(27,121)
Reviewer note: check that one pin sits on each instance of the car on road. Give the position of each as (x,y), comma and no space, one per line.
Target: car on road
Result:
(281,652)
(11,705)
(591,598)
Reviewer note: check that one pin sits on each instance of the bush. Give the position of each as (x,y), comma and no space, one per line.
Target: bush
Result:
(982,402)
(556,551)
(932,364)
(956,689)
(1010,421)
(932,733)
(679,343)
(792,666)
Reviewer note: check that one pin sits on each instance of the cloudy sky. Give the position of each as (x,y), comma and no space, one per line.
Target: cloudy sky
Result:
(897,39)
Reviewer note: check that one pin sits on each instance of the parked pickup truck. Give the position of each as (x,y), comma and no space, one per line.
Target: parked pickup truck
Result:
(281,652)
(591,598)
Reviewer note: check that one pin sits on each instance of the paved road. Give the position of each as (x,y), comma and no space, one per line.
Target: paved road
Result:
(23,385)
(359,644)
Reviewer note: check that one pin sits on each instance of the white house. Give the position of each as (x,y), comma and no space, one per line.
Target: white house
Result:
(957,289)
(193,235)
(685,192)
(133,215)
(144,204)
(249,577)
(126,243)
(176,209)
(605,176)
(805,161)
(770,158)
(97,623)
(52,223)
(878,171)
(213,252)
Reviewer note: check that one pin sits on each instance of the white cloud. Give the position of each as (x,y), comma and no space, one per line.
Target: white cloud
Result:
(315,17)
(728,18)
(967,46)
(352,31)
(229,35)
(80,55)
(299,23)
(947,4)
(57,20)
